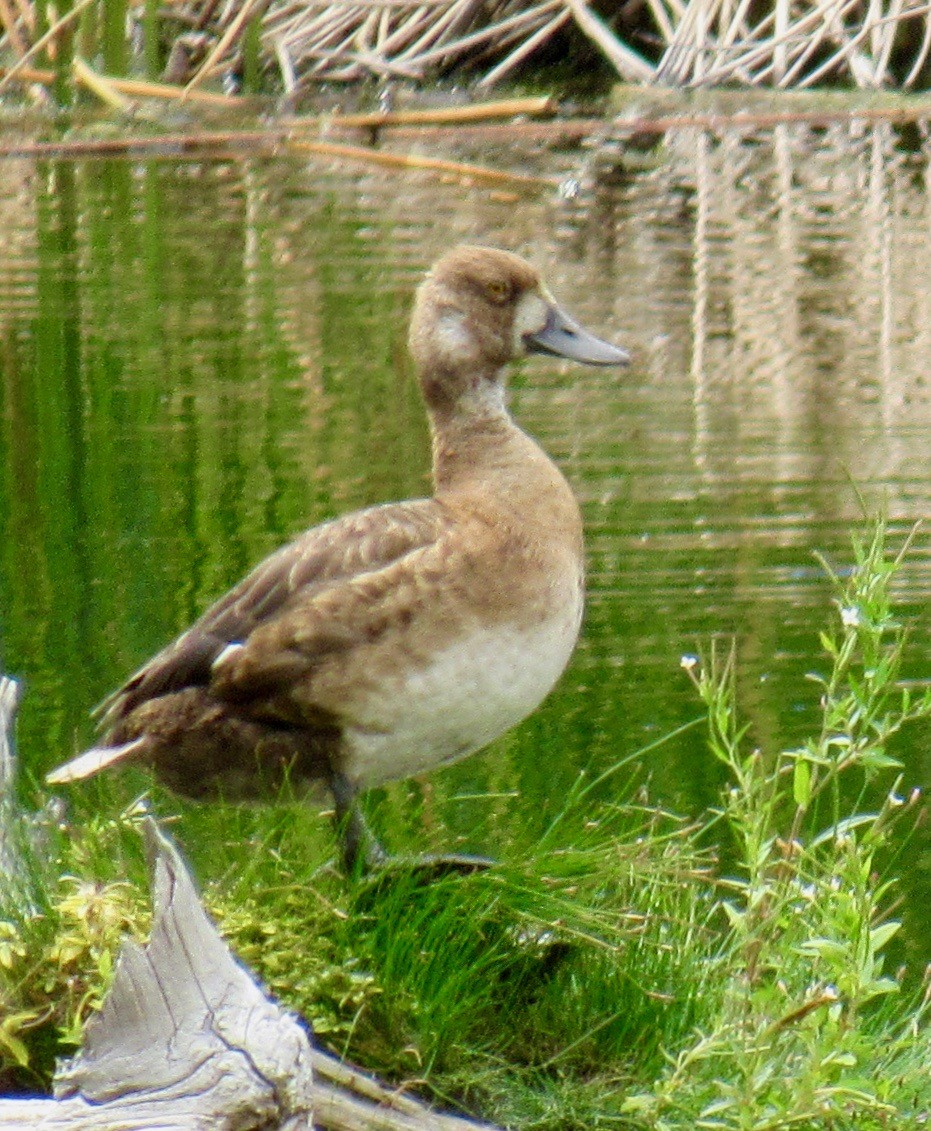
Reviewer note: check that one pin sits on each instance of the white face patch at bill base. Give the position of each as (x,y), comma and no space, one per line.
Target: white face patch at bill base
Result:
(530,317)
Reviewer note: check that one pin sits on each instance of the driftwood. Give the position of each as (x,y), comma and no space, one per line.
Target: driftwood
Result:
(187,1039)
(9,854)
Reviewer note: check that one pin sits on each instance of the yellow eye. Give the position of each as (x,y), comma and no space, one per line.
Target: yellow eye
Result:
(499,291)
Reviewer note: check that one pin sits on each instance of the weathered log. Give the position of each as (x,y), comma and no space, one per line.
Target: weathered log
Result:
(186,1039)
(9,855)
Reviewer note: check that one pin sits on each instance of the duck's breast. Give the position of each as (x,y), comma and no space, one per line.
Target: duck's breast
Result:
(464,695)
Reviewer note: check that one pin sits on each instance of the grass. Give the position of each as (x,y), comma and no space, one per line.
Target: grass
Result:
(612,975)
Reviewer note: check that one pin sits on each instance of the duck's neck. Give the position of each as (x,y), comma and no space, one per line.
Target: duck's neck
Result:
(479,450)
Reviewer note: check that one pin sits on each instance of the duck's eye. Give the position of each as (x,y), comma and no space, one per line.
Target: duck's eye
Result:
(499,292)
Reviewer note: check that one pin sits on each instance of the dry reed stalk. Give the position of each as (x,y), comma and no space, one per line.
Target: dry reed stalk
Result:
(628,64)
(176,144)
(779,47)
(844,54)
(808,31)
(285,66)
(205,14)
(322,45)
(676,61)
(13,34)
(271,140)
(873,15)
(724,123)
(812,42)
(661,19)
(419,16)
(707,49)
(886,37)
(761,51)
(703,21)
(27,15)
(227,12)
(286,21)
(677,8)
(99,86)
(724,17)
(731,56)
(358,64)
(921,56)
(249,8)
(665,67)
(526,48)
(427,31)
(410,27)
(505,26)
(504,133)
(134,88)
(737,24)
(447,116)
(441,29)
(69,17)
(361,40)
(402,161)
(143,89)
(384,26)
(534,21)
(346,50)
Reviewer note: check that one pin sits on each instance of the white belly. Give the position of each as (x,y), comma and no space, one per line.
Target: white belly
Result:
(468,695)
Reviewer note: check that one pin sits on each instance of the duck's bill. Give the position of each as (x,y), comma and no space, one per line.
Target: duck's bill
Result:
(562,336)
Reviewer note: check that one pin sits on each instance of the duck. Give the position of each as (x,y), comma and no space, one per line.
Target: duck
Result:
(402,637)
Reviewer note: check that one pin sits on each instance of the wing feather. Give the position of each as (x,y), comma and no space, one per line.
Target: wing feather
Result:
(284,586)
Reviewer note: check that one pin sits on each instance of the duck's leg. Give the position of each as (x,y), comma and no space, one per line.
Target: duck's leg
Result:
(362,853)
(358,845)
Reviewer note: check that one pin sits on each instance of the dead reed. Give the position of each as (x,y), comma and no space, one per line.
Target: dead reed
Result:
(782,43)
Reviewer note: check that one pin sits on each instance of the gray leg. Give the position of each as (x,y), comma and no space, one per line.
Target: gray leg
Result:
(362,854)
(358,845)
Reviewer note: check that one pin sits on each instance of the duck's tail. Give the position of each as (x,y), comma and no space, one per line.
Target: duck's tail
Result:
(97,758)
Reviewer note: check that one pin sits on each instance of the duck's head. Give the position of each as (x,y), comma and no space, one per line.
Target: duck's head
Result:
(480,308)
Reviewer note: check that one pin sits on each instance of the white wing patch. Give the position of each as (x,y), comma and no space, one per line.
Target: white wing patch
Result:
(228,653)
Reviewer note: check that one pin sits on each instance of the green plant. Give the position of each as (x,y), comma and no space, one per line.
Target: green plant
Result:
(805,1035)
(57,953)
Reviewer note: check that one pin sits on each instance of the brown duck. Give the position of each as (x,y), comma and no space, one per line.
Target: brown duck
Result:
(403,636)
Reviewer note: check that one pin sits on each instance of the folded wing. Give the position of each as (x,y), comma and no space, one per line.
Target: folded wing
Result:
(284,598)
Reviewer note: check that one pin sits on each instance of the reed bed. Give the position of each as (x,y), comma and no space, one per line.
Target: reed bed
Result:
(792,45)
(299,43)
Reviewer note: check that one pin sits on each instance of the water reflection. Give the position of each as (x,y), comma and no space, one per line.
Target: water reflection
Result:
(201,358)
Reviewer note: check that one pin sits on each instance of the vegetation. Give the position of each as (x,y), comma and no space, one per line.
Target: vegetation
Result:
(292,45)
(616,974)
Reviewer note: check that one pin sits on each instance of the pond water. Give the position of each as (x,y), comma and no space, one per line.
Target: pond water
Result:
(202,357)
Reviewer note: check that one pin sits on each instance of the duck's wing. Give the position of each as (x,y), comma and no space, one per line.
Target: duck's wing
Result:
(327,558)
